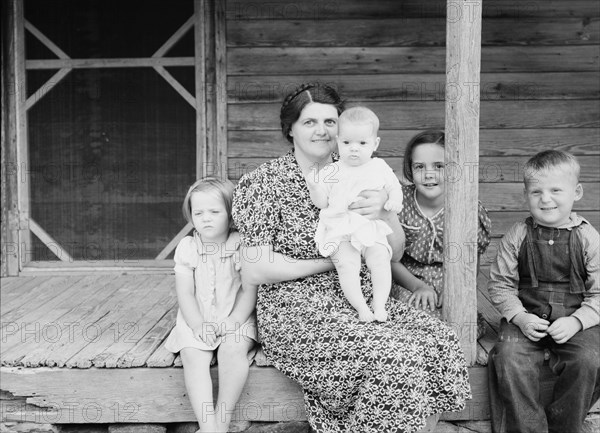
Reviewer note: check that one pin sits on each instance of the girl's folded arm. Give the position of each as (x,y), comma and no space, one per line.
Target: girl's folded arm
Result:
(261,265)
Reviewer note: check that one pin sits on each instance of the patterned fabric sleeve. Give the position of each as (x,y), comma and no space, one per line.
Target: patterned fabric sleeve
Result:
(485,230)
(184,256)
(254,209)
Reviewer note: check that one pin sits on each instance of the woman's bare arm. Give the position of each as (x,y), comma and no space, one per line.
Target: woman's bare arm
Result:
(261,265)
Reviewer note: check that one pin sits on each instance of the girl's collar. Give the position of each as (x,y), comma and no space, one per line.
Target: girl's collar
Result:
(226,249)
(439,212)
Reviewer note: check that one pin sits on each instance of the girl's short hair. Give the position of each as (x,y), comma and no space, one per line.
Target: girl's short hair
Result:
(303,95)
(222,187)
(426,137)
(549,159)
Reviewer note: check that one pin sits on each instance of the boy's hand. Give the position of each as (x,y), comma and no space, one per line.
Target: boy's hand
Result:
(564,328)
(425,297)
(531,326)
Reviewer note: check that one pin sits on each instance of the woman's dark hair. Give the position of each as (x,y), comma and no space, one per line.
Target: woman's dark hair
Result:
(303,95)
(425,137)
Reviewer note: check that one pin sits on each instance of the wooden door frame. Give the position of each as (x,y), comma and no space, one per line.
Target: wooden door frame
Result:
(209,101)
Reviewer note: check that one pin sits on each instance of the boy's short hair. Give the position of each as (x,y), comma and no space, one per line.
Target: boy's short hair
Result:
(547,160)
(222,187)
(360,115)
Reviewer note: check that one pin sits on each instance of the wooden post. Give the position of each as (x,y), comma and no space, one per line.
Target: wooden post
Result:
(16,238)
(211,87)
(200,74)
(463,58)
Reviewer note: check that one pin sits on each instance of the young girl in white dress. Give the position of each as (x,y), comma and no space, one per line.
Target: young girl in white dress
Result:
(215,313)
(345,235)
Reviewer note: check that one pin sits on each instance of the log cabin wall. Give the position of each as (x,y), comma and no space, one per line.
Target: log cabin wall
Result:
(112,151)
(539,88)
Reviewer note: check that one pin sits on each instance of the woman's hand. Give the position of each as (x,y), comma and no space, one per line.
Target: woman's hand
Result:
(371,205)
(425,297)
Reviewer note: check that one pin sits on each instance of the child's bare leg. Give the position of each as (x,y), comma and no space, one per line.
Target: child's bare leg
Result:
(196,373)
(346,260)
(232,359)
(377,258)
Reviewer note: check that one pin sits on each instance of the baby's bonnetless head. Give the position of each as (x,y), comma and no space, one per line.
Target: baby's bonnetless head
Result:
(358,116)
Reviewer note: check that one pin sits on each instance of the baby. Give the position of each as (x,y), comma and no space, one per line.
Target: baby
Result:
(345,235)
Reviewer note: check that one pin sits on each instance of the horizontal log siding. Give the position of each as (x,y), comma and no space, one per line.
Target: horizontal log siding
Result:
(539,82)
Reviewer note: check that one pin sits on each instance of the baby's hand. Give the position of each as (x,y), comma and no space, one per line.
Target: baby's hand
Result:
(393,206)
(380,314)
(531,326)
(365,314)
(564,328)
(425,297)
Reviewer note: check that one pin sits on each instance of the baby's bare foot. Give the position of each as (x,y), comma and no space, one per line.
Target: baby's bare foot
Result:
(380,314)
(366,315)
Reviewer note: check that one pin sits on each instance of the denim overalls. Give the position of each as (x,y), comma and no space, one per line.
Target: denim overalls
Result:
(552,271)
(552,277)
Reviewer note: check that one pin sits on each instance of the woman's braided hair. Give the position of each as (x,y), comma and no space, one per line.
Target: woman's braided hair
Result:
(294,103)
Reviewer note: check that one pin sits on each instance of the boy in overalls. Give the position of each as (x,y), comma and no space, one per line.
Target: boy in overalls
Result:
(545,284)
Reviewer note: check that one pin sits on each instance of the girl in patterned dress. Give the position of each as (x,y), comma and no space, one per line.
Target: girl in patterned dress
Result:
(420,271)
(345,235)
(214,315)
(359,377)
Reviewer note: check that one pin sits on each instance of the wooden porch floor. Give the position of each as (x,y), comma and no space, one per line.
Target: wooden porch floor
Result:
(105,321)
(83,321)
(90,349)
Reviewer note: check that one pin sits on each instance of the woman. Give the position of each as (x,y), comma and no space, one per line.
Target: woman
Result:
(356,376)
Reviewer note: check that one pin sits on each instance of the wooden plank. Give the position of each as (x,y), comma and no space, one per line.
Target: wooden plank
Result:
(430,114)
(91,325)
(174,242)
(200,80)
(463,59)
(45,40)
(382,60)
(176,85)
(123,315)
(175,37)
(18,292)
(49,241)
(69,396)
(46,87)
(150,349)
(39,326)
(407,32)
(109,266)
(152,314)
(492,142)
(220,159)
(160,357)
(291,9)
(48,291)
(420,87)
(72,324)
(18,239)
(137,62)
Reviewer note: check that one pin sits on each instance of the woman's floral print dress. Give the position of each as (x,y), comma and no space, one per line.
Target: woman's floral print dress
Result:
(356,376)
